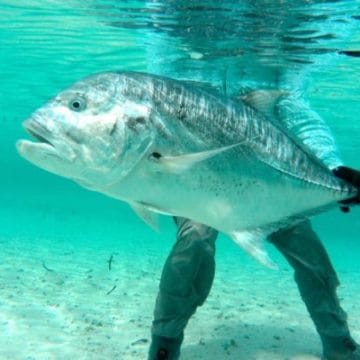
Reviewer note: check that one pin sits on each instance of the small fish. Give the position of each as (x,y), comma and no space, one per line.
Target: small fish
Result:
(110,261)
(111,290)
(166,147)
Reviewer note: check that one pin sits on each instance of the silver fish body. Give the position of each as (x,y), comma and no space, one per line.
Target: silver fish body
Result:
(164,146)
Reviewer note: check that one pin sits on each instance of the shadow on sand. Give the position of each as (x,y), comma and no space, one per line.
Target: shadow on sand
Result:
(254,342)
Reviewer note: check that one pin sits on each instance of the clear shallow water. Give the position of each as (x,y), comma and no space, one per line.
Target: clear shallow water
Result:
(47,45)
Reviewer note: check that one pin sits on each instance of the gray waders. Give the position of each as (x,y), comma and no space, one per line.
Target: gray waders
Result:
(189,272)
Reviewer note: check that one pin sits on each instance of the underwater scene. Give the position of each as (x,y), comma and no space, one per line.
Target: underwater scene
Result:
(241,115)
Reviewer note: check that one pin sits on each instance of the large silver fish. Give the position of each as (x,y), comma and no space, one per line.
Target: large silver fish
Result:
(164,146)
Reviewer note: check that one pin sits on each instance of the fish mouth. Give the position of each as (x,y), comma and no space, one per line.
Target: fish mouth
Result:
(38,137)
(43,143)
(38,132)
(43,150)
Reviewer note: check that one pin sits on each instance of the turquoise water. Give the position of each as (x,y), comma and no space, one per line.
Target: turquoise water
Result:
(56,237)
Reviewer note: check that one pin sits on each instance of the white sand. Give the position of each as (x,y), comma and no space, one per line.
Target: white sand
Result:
(64,312)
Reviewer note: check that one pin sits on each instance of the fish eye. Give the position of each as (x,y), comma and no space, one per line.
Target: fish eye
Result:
(78,104)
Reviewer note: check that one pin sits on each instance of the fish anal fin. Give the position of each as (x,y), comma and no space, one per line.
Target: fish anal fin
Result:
(253,243)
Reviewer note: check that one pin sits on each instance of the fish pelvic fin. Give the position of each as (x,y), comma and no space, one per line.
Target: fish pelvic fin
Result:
(151,218)
(253,243)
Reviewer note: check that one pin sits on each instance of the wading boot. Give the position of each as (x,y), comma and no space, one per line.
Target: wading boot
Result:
(341,349)
(165,348)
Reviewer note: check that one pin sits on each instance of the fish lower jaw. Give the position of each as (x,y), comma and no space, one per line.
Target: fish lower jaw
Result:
(25,145)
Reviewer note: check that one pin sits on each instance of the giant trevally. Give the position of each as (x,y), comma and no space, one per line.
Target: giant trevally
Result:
(165,146)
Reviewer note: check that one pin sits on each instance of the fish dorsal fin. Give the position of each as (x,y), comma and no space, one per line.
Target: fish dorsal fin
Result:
(253,243)
(179,163)
(151,218)
(263,100)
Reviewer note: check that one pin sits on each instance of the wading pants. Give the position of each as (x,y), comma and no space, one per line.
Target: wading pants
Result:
(189,272)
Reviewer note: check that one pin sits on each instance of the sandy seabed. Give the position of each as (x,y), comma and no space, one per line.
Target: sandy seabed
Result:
(60,299)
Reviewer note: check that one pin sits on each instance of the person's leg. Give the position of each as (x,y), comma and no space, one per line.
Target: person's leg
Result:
(317,282)
(185,284)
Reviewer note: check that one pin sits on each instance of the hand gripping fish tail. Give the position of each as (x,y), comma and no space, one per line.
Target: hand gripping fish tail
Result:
(351,176)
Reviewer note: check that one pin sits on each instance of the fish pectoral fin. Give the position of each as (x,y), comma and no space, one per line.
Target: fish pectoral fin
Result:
(151,218)
(253,243)
(179,163)
(263,100)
